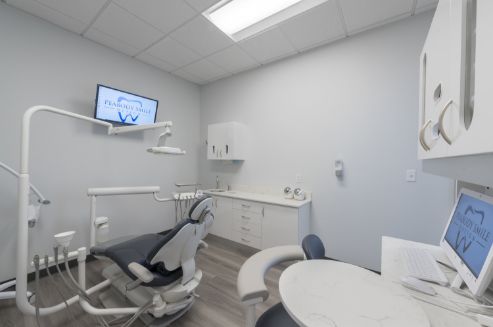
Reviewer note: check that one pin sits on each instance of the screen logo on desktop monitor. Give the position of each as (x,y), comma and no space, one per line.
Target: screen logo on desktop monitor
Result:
(471,230)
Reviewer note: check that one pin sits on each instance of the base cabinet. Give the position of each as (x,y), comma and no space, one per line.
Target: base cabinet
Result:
(222,208)
(259,225)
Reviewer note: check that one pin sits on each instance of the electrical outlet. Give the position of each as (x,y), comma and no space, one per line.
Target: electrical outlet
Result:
(299,179)
(411,175)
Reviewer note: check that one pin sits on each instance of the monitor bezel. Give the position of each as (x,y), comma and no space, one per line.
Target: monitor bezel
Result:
(119,122)
(477,285)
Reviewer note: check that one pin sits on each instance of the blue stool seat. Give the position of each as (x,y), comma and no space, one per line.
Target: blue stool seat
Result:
(276,317)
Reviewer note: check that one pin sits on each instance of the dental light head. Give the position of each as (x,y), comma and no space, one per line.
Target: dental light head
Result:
(161,148)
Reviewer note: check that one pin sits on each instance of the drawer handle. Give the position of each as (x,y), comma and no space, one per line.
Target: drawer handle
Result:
(246,229)
(245,206)
(245,240)
(245,217)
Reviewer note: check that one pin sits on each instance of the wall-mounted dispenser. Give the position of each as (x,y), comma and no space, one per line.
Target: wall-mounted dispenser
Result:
(338,167)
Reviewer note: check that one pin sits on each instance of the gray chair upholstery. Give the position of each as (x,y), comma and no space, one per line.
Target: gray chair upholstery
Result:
(145,249)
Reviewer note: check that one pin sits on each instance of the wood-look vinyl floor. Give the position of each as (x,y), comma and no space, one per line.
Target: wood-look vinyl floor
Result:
(217,306)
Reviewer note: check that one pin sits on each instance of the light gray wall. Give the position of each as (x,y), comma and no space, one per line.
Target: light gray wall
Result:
(356,99)
(43,64)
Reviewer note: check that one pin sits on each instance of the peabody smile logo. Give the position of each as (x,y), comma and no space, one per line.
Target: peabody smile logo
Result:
(127,108)
(471,230)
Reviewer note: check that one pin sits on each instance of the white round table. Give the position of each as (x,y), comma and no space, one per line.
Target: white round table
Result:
(330,293)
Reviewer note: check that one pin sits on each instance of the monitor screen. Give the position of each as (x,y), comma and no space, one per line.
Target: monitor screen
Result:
(470,232)
(123,107)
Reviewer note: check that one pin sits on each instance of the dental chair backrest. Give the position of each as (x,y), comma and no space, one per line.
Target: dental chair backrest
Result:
(179,248)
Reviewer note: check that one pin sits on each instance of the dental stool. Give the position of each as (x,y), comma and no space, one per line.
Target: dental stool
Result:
(251,285)
(313,247)
(158,268)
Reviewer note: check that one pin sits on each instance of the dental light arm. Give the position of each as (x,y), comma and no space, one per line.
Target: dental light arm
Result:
(41,198)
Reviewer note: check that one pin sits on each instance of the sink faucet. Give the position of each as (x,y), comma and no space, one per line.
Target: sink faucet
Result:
(217,182)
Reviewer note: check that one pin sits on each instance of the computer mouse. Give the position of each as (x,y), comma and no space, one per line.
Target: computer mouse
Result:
(417,285)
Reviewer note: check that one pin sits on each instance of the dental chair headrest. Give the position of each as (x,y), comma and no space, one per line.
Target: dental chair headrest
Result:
(200,207)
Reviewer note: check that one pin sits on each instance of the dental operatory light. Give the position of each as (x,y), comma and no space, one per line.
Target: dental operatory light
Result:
(161,148)
(240,19)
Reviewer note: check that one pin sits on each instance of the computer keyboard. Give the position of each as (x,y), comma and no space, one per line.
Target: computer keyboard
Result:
(421,264)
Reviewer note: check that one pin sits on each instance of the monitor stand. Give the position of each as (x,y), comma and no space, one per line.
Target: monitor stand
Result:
(458,282)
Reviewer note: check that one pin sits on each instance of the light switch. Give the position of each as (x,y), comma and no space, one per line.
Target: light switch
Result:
(411,175)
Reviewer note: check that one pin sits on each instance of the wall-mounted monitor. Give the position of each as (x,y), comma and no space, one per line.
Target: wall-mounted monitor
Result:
(124,108)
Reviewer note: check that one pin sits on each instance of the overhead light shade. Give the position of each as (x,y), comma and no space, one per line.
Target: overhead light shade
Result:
(240,19)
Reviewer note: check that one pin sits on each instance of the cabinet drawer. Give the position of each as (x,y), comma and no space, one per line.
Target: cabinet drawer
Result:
(248,206)
(247,217)
(247,239)
(247,227)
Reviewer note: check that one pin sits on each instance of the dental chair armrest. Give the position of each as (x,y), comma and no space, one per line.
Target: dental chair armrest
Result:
(251,283)
(141,272)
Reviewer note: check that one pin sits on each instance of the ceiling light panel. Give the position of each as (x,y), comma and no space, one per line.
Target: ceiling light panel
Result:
(240,19)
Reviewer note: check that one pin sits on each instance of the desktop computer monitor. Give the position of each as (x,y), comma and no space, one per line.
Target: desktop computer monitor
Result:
(468,238)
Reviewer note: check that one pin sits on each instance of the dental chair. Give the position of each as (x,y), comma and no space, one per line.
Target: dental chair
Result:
(158,268)
(251,286)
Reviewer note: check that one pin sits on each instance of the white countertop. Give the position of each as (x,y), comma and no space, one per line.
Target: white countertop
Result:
(319,293)
(259,197)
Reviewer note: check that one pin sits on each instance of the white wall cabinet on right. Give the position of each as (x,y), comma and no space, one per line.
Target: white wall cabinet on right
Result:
(456,109)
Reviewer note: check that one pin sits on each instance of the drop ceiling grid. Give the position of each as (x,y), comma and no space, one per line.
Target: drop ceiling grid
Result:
(208,62)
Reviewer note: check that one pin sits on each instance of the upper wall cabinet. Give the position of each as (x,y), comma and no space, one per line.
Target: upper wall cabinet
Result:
(456,105)
(227,141)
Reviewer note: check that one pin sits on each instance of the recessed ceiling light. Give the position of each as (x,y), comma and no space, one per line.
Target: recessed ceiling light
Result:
(240,19)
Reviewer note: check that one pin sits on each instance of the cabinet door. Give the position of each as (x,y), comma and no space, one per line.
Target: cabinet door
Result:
(279,226)
(215,141)
(223,217)
(226,141)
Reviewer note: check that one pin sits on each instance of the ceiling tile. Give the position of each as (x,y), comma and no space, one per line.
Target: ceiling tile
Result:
(205,70)
(84,11)
(49,14)
(109,41)
(164,15)
(362,14)
(268,46)
(202,36)
(156,62)
(173,52)
(316,26)
(424,5)
(119,23)
(201,5)
(233,59)
(189,77)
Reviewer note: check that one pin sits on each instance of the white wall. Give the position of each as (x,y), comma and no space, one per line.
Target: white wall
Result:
(43,64)
(357,98)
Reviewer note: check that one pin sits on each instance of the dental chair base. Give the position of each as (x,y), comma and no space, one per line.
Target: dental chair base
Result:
(176,298)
